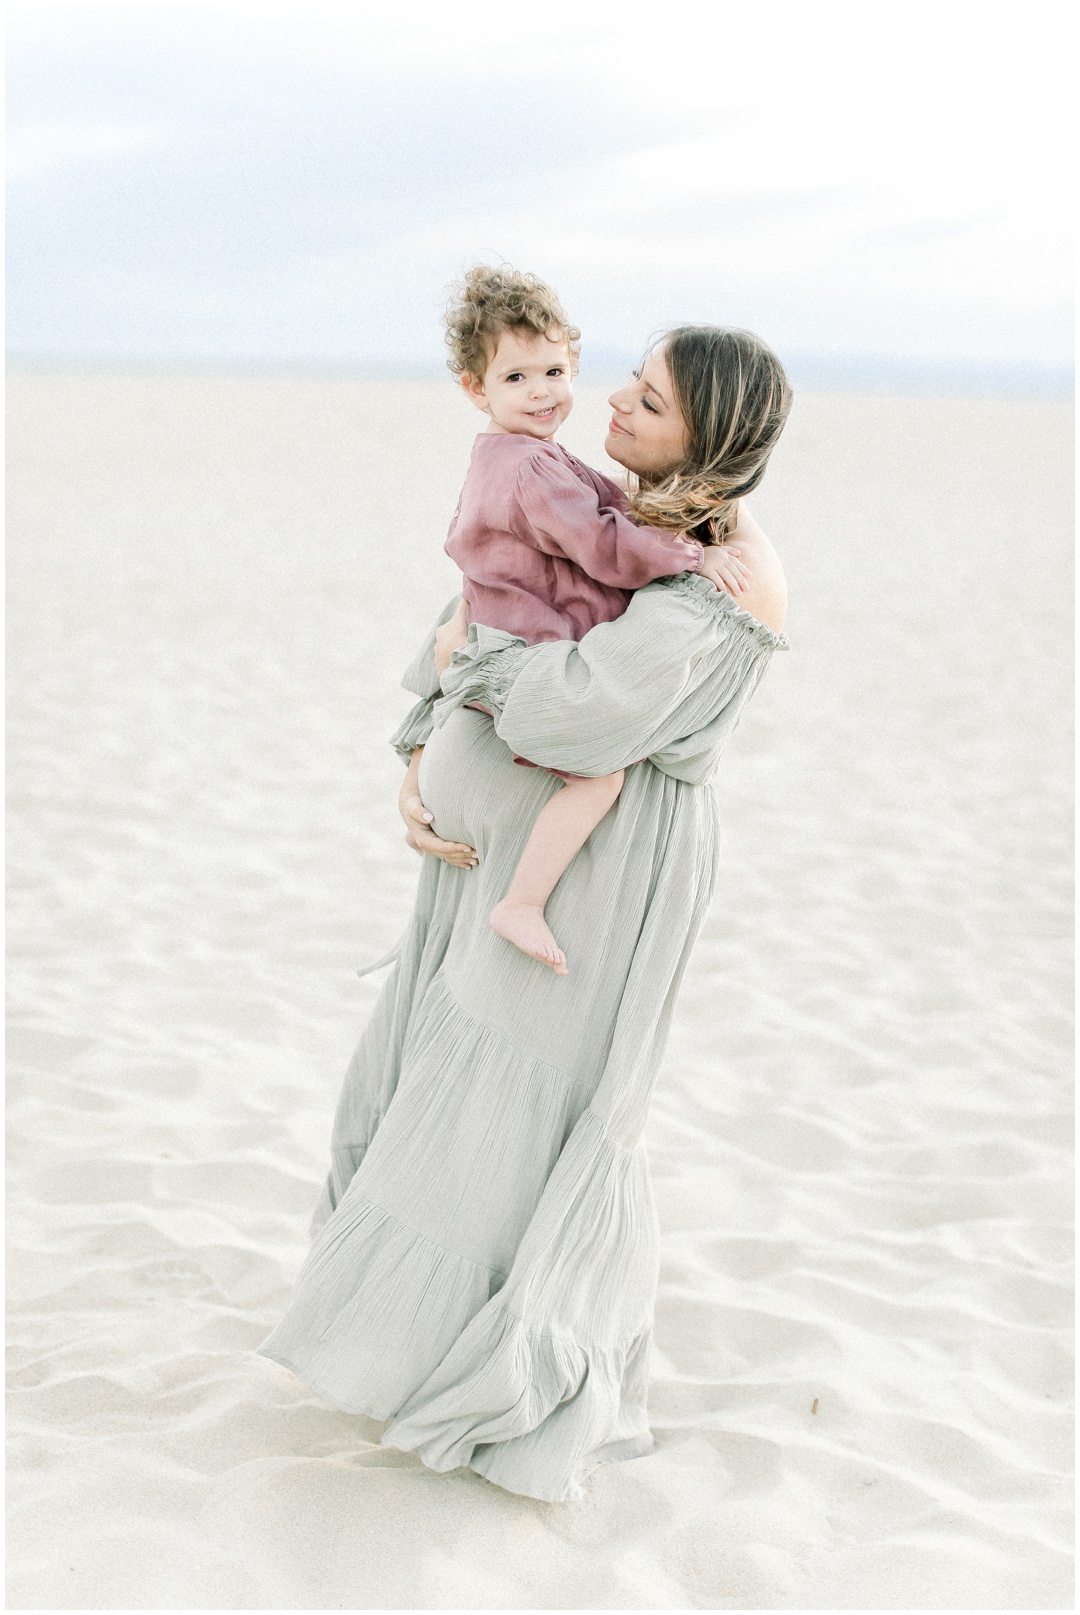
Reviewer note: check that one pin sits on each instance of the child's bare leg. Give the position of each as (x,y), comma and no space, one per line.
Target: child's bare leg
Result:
(562,827)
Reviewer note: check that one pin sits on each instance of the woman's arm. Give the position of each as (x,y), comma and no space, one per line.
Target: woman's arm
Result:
(680,660)
(422,676)
(449,635)
(418,832)
(422,679)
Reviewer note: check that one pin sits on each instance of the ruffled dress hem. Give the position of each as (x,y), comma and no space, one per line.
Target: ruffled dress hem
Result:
(520,1373)
(612,1452)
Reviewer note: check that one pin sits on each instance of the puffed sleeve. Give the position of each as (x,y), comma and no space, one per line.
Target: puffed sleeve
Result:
(668,680)
(558,513)
(608,489)
(422,679)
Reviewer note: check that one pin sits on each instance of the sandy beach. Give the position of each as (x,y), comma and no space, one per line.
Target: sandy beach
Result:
(860,1140)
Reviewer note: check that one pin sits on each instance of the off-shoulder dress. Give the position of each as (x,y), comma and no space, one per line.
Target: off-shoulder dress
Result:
(484,1254)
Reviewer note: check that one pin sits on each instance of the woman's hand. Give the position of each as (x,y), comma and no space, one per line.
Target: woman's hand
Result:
(450,636)
(724,567)
(418,832)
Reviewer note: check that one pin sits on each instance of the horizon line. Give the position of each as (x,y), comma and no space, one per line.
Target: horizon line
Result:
(872,373)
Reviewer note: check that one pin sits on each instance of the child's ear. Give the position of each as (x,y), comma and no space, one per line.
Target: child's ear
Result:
(473,388)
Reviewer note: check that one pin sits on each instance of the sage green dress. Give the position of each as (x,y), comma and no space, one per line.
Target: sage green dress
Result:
(484,1255)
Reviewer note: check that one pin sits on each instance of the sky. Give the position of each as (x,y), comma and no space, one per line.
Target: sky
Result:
(879,190)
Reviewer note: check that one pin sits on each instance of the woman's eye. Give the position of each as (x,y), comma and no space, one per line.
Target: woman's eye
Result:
(652,409)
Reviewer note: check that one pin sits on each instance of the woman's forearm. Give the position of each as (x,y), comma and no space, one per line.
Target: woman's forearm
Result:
(410,785)
(631,686)
(419,831)
(449,635)
(422,674)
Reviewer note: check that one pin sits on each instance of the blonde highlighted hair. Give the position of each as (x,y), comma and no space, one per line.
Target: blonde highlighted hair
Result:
(490,301)
(734,397)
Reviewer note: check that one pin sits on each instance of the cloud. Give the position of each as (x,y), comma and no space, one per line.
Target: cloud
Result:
(221,180)
(38,149)
(903,237)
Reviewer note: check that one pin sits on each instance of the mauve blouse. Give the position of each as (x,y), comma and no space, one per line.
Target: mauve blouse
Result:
(546,543)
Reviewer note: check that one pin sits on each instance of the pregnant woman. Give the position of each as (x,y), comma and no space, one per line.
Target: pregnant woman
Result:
(484,1256)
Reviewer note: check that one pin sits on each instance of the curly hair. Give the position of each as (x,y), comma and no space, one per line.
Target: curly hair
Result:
(734,397)
(490,301)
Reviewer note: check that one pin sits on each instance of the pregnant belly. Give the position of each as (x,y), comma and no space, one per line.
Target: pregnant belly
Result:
(470,782)
(640,882)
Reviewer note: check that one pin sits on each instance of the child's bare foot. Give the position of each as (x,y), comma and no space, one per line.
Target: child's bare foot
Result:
(524,925)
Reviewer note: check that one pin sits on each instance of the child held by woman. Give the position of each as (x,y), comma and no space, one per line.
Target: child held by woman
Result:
(549,547)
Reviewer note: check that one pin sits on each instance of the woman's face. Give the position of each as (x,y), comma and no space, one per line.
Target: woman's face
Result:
(647,433)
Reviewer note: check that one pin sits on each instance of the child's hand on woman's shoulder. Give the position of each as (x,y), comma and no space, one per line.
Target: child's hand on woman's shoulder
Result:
(724,567)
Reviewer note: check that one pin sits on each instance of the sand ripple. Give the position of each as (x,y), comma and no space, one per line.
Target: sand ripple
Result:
(860,1140)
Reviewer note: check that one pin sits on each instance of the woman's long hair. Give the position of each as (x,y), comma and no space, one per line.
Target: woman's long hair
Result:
(734,397)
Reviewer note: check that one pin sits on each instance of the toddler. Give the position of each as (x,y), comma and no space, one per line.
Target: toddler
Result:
(547,546)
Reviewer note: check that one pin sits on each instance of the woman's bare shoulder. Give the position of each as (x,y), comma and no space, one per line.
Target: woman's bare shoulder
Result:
(767,598)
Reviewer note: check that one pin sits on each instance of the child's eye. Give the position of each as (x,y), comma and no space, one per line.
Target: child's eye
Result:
(556,370)
(517,376)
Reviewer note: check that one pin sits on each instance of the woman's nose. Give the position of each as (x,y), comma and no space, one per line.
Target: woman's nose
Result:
(620,400)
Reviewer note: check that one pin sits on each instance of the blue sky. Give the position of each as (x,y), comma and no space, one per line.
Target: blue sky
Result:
(872,188)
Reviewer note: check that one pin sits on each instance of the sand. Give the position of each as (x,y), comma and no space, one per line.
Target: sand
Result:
(860,1138)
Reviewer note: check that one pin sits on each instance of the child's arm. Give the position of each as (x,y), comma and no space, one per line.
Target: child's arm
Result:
(557,513)
(615,489)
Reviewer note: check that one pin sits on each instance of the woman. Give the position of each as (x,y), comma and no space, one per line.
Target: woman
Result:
(484,1258)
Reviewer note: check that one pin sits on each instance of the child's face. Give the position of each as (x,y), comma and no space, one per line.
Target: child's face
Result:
(528,385)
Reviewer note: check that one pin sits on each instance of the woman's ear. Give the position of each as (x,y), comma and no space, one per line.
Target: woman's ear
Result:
(473,388)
